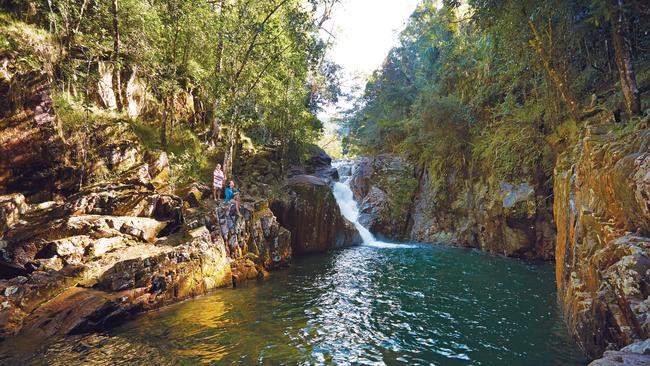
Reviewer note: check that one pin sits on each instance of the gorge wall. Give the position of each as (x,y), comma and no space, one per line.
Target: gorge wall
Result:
(400,202)
(602,210)
(595,223)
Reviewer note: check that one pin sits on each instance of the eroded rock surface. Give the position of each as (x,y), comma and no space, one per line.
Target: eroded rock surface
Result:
(384,187)
(636,354)
(313,217)
(92,270)
(603,240)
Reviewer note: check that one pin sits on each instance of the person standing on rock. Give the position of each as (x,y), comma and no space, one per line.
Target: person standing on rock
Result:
(217,182)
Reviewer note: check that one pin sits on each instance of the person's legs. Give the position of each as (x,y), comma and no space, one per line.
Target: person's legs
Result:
(236,199)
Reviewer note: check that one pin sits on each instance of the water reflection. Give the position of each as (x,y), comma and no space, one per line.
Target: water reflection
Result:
(363,305)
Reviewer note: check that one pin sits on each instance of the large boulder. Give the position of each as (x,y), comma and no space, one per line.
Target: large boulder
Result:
(636,354)
(603,239)
(319,164)
(313,217)
(384,187)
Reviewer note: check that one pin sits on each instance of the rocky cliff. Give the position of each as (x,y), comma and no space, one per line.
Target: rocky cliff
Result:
(383,187)
(402,203)
(312,214)
(602,210)
(118,248)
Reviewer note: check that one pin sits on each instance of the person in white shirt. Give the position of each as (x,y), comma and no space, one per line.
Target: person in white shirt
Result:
(217,182)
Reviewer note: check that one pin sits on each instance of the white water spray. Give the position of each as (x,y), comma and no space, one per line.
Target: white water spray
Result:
(349,209)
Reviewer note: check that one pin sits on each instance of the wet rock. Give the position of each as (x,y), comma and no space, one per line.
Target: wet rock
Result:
(313,217)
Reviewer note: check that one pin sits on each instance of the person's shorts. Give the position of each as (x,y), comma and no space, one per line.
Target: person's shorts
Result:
(217,187)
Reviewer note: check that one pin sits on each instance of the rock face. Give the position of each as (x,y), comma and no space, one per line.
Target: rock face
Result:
(602,210)
(383,186)
(499,217)
(485,213)
(319,164)
(313,217)
(103,255)
(11,207)
(636,354)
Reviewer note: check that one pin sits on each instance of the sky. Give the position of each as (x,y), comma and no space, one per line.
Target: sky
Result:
(364,31)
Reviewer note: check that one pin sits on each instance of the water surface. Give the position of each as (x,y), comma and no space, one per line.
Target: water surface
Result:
(417,304)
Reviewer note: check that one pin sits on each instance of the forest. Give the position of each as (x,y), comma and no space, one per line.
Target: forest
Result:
(485,198)
(208,72)
(503,86)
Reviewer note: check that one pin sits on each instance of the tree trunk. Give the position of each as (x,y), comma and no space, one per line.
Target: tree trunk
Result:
(117,82)
(623,56)
(163,127)
(216,120)
(231,152)
(557,79)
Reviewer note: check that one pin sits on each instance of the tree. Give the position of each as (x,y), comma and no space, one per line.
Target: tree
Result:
(623,54)
(117,82)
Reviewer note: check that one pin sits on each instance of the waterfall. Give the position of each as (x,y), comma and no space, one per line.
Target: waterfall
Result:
(350,210)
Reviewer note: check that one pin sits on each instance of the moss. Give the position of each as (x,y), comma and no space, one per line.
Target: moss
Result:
(512,151)
(400,194)
(634,125)
(566,134)
(31,47)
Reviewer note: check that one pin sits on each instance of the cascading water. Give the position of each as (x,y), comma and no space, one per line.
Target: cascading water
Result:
(350,210)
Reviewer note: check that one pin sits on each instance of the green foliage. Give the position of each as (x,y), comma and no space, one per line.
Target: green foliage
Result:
(491,88)
(258,66)
(32,48)
(400,195)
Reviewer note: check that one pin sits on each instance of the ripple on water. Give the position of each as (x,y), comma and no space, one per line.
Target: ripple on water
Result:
(365,305)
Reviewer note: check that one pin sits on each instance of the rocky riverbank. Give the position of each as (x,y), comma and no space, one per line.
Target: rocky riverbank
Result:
(597,232)
(114,249)
(92,231)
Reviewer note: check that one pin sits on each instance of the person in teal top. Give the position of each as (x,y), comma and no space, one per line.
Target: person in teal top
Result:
(232,194)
